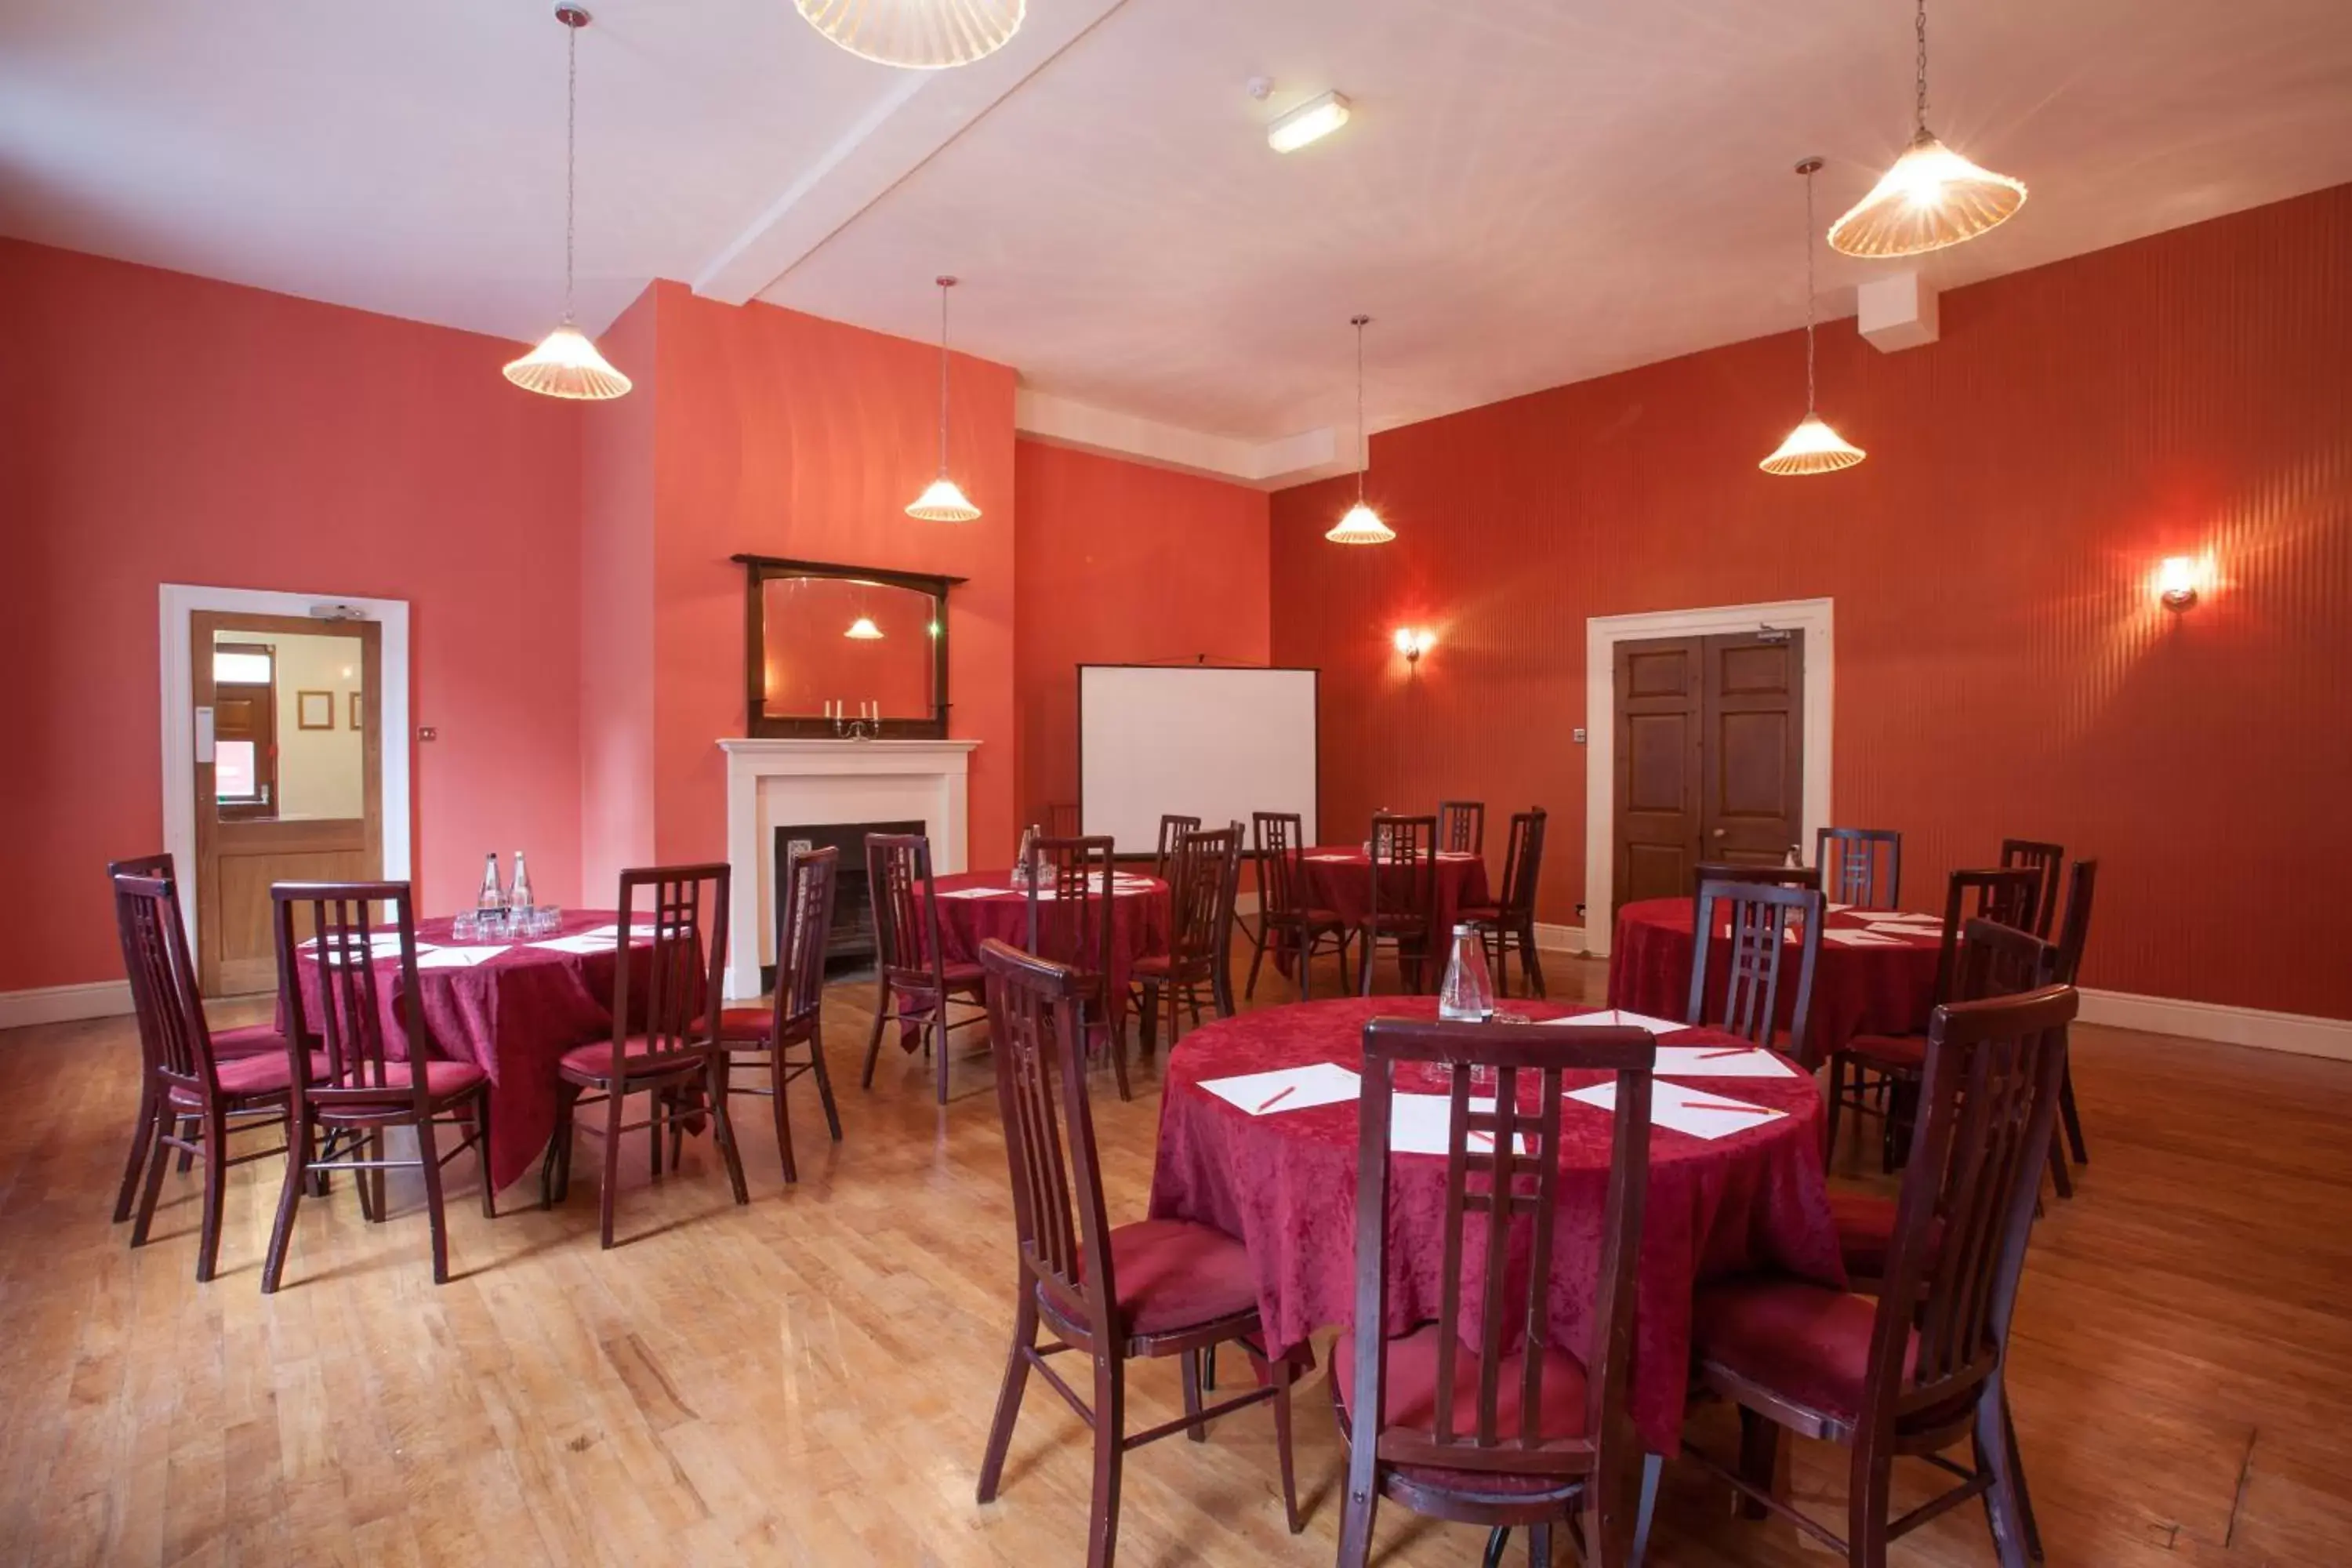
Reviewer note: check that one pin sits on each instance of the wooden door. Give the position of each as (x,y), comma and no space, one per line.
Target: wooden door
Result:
(1710,757)
(252,838)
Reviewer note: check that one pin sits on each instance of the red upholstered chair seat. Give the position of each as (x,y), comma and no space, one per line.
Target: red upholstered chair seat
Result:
(442,1078)
(252,1040)
(746,1025)
(1172,1275)
(1490,913)
(1805,1342)
(1865,1229)
(593,1063)
(1900,1053)
(248,1076)
(1411,1395)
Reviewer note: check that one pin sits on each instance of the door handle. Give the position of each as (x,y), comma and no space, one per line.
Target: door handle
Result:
(1718,833)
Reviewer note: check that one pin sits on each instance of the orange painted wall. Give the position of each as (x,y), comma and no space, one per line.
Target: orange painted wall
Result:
(157,427)
(1122,564)
(2002,667)
(616,613)
(781,433)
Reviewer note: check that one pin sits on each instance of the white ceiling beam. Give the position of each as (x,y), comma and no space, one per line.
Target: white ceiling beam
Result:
(918,114)
(1896,312)
(1261,465)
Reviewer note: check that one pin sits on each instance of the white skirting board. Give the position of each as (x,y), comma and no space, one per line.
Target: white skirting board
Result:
(2297,1033)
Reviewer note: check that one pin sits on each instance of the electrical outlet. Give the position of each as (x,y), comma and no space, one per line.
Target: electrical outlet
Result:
(1577,735)
(427,732)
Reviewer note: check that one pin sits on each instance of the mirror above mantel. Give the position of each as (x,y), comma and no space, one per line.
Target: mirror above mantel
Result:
(837,652)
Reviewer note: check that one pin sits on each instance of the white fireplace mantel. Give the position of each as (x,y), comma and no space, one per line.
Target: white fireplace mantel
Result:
(770,783)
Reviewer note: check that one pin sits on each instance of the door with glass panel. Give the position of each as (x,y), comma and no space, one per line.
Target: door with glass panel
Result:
(289,779)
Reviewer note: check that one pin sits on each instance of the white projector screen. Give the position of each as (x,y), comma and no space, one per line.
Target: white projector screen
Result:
(1193,740)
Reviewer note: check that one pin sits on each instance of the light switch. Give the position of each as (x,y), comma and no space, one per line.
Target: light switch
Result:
(427,732)
(1578,734)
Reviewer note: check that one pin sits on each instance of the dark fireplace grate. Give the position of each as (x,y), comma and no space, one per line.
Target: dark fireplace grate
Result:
(853,941)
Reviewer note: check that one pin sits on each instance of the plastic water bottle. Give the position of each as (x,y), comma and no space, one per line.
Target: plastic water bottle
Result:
(493,897)
(1468,994)
(519,896)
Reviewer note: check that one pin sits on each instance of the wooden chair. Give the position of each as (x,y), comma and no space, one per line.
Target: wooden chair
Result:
(1862,867)
(1512,917)
(1171,829)
(1761,916)
(1921,1367)
(1072,919)
(1884,1066)
(1522,1429)
(255,1039)
(1756,876)
(2045,859)
(1401,905)
(1285,922)
(1200,897)
(1112,1294)
(191,1098)
(349,1086)
(667,1047)
(2072,937)
(914,983)
(763,1036)
(1461,826)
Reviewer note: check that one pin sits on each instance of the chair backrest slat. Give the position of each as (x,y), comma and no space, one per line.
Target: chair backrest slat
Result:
(1522,865)
(684,970)
(1403,868)
(2075,934)
(1171,829)
(900,890)
(1762,917)
(2004,897)
(174,1038)
(1860,866)
(1071,915)
(1989,1091)
(352,1023)
(804,890)
(2045,859)
(1038,1047)
(1503,1168)
(1200,899)
(1275,836)
(1761,876)
(1462,825)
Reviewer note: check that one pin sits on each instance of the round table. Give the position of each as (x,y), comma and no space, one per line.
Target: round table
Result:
(1285,1183)
(513,1013)
(1339,877)
(1865,982)
(977,905)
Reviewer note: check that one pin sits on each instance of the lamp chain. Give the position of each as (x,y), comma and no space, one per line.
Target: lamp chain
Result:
(943,380)
(1919,87)
(1363,441)
(571,158)
(1809,292)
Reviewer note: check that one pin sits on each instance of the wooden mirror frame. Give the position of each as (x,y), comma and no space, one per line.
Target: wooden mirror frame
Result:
(758,570)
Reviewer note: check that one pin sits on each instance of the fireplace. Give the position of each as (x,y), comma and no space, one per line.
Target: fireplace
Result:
(853,906)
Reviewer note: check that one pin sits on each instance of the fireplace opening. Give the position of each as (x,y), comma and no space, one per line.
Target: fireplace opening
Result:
(851,953)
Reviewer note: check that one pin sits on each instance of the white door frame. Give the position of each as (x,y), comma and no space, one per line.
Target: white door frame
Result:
(1814,618)
(178,603)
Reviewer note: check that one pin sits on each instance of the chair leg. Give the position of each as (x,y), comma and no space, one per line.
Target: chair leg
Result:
(1302,947)
(823,1081)
(1149,1024)
(2071,1117)
(558,1144)
(290,1197)
(1866,1499)
(873,1041)
(1540,1546)
(1008,1393)
(429,1161)
(158,1162)
(1652,1467)
(1358,1503)
(1249,991)
(1530,963)
(1188,1372)
(1279,1367)
(2061,1176)
(215,1192)
(938,1029)
(374,1179)
(1110,1441)
(2015,1539)
(776,1104)
(144,1135)
(608,1184)
(1759,1458)
(482,1151)
(1364,956)
(1837,1096)
(722,1125)
(187,1156)
(1115,1032)
(1498,1539)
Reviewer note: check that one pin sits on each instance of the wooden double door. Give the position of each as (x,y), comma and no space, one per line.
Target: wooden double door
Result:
(1710,757)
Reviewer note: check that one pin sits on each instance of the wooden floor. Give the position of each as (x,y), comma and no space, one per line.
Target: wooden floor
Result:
(809,1379)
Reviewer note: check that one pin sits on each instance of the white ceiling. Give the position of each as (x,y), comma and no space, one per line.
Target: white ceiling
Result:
(1532,191)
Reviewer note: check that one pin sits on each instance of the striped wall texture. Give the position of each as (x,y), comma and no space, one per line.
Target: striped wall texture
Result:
(2002,665)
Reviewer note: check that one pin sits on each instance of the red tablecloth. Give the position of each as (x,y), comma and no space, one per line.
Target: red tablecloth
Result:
(1339,877)
(1856,990)
(513,1015)
(1140,921)
(1285,1184)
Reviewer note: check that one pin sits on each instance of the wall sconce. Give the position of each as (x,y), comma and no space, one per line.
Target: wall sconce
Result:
(2175,583)
(1412,643)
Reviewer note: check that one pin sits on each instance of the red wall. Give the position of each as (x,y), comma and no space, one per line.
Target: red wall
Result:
(2002,667)
(1120,563)
(781,433)
(616,614)
(157,427)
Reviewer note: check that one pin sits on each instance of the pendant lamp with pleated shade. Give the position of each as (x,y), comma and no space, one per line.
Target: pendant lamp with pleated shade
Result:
(1361,524)
(1932,197)
(944,500)
(916,35)
(1812,448)
(566,364)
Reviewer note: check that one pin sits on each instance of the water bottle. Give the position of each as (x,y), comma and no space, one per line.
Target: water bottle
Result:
(1020,869)
(1468,994)
(519,897)
(492,898)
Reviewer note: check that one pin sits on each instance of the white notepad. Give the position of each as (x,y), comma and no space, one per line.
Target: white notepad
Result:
(1899,917)
(457,957)
(1333,859)
(1286,1088)
(1906,929)
(1701,1113)
(1617,1018)
(612,933)
(1421,1123)
(974,892)
(1720,1061)
(1863,939)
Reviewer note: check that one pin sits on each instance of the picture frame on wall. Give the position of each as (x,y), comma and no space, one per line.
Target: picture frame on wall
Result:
(358,711)
(314,709)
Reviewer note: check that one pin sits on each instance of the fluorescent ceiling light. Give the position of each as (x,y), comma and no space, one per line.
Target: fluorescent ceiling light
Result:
(1310,121)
